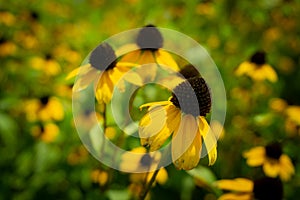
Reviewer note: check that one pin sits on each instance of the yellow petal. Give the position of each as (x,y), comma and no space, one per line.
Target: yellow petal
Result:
(85,80)
(234,196)
(255,156)
(244,68)
(104,88)
(132,56)
(173,118)
(154,104)
(152,126)
(271,169)
(270,73)
(166,60)
(161,177)
(186,144)
(286,167)
(134,78)
(83,69)
(209,139)
(237,185)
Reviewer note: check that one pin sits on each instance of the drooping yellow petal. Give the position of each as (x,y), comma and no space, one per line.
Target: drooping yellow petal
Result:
(270,73)
(85,80)
(235,196)
(209,139)
(237,185)
(286,167)
(153,121)
(245,68)
(255,156)
(166,60)
(271,168)
(173,117)
(186,144)
(104,88)
(83,69)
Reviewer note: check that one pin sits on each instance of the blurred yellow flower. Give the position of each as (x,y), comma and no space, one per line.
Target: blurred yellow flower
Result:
(148,162)
(47,132)
(246,189)
(44,109)
(257,68)
(102,65)
(78,155)
(292,123)
(99,176)
(277,104)
(273,161)
(179,116)
(7,18)
(7,47)
(48,65)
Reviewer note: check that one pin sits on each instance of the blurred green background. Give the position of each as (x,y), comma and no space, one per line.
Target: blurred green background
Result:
(42,41)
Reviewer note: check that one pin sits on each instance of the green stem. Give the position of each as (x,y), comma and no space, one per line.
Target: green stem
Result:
(102,151)
(148,187)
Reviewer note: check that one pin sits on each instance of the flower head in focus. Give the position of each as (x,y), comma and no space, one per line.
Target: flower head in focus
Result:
(257,68)
(272,159)
(183,117)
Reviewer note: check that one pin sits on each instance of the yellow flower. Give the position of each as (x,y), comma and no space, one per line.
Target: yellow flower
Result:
(103,65)
(48,65)
(99,176)
(278,105)
(183,117)
(245,189)
(44,109)
(6,47)
(7,18)
(149,44)
(257,69)
(292,123)
(147,162)
(273,161)
(293,113)
(47,132)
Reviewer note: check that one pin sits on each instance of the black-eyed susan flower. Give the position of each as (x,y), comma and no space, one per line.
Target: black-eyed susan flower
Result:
(46,132)
(103,65)
(257,68)
(246,189)
(44,109)
(272,159)
(46,64)
(183,117)
(149,44)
